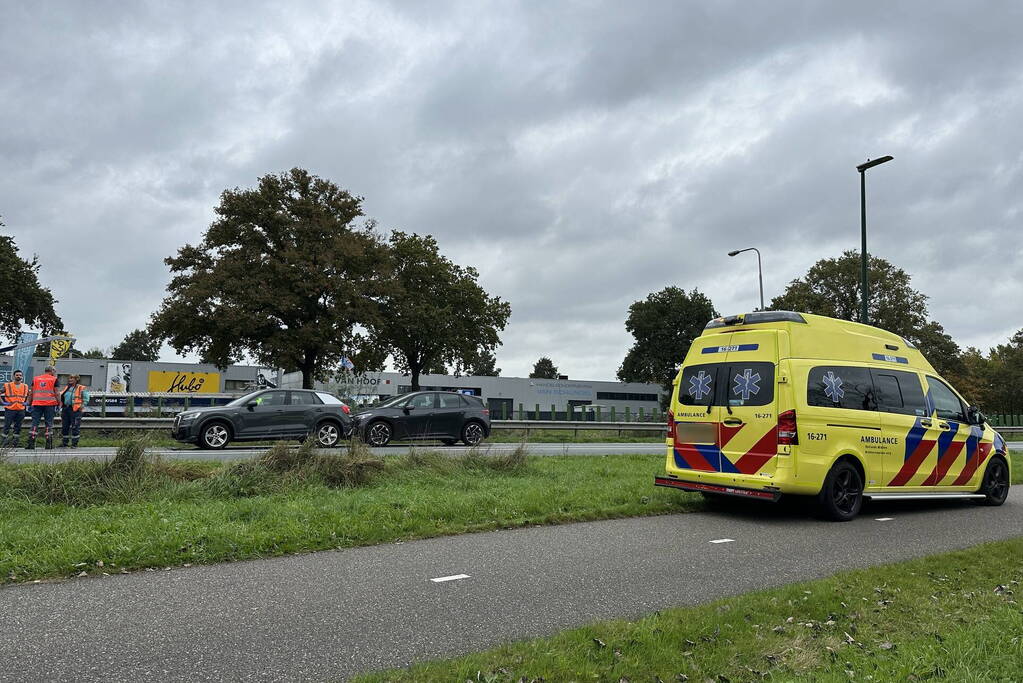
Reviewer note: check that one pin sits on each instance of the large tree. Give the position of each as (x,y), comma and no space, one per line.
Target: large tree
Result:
(438,313)
(282,275)
(544,368)
(664,327)
(23,301)
(138,345)
(832,287)
(485,365)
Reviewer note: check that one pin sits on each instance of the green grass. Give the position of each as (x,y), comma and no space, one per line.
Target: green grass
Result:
(953,617)
(59,520)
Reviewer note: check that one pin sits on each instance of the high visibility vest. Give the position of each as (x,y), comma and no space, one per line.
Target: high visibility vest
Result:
(76,401)
(44,390)
(15,395)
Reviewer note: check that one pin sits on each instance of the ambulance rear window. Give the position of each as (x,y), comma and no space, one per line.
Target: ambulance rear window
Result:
(733,384)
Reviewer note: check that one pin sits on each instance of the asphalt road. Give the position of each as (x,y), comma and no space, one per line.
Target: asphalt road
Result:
(333,614)
(243,452)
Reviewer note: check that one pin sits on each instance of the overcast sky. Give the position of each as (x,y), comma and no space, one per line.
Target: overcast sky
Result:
(580,154)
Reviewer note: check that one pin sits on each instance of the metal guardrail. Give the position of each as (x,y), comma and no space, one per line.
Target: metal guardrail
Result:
(116,423)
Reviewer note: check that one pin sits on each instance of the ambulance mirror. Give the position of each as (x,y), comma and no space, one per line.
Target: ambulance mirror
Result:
(975,416)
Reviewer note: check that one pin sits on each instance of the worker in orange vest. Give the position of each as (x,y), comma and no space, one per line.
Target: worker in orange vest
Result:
(15,398)
(73,399)
(44,405)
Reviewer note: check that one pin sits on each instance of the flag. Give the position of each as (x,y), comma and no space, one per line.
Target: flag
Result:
(58,347)
(23,355)
(347,363)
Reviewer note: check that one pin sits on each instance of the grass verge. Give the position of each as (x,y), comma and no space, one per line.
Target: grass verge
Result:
(955,617)
(62,519)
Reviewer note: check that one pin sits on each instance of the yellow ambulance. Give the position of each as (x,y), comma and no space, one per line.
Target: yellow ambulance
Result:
(776,402)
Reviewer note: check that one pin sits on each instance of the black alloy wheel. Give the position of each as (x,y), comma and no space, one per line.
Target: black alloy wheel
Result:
(472,433)
(996,483)
(378,433)
(842,495)
(328,434)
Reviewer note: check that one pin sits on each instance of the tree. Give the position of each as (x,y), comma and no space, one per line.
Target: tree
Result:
(138,345)
(23,301)
(282,275)
(664,327)
(544,369)
(96,352)
(832,287)
(438,313)
(483,366)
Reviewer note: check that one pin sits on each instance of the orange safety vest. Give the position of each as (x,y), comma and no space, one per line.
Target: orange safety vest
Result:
(15,395)
(76,402)
(44,390)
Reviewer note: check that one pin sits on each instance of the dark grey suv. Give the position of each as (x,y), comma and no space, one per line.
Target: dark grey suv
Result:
(436,415)
(265,415)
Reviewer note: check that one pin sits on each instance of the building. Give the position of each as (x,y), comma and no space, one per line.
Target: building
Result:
(116,383)
(505,396)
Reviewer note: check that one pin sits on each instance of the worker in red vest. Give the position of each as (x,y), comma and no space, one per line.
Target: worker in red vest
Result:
(15,399)
(73,399)
(44,405)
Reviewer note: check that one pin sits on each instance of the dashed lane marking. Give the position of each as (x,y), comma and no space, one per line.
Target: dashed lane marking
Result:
(884,519)
(723,540)
(454,577)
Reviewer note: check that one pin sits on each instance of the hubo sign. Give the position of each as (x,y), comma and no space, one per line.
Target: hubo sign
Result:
(184,382)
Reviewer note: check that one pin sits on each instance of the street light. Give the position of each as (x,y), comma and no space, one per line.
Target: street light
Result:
(760,271)
(862,168)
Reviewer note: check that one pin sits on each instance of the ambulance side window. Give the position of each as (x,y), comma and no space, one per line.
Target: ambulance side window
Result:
(830,386)
(899,392)
(946,403)
(698,385)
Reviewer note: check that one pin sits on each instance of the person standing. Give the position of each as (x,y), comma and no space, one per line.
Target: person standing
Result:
(73,399)
(44,405)
(15,398)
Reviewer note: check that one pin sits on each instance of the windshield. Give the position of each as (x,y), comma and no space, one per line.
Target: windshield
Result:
(242,400)
(392,402)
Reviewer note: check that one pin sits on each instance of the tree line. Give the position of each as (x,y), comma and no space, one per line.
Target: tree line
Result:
(665,324)
(288,276)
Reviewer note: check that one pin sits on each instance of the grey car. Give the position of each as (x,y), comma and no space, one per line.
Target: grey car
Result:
(267,415)
(443,416)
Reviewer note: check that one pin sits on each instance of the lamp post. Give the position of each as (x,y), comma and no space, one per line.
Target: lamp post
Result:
(862,168)
(760,270)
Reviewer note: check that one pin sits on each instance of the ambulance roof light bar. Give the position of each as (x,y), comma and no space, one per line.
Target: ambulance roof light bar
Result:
(756,317)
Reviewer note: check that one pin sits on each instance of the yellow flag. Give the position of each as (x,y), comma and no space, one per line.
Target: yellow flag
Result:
(58,347)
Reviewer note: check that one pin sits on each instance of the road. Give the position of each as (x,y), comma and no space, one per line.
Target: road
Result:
(334,614)
(243,452)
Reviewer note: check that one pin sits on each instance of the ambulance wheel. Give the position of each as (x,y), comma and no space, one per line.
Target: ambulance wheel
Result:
(841,497)
(996,483)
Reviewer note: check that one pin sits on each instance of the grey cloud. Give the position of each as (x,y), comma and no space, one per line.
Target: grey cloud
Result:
(580,154)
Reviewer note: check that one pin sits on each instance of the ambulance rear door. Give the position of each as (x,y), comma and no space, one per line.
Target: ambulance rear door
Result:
(748,431)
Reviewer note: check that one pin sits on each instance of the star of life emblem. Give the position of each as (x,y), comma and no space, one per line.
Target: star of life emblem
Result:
(833,387)
(747,384)
(699,385)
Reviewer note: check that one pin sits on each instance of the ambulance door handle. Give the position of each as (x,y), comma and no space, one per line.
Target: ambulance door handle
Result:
(926,423)
(731,421)
(944,425)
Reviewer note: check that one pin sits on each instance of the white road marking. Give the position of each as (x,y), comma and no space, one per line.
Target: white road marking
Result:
(454,577)
(724,540)
(884,519)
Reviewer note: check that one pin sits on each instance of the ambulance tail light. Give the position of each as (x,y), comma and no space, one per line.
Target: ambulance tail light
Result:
(787,434)
(671,426)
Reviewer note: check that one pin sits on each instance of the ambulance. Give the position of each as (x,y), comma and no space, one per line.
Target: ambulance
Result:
(776,402)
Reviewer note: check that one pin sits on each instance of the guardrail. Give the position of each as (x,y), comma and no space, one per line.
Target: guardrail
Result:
(119,423)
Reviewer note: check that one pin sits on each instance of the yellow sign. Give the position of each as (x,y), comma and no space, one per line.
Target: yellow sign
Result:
(170,381)
(58,347)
